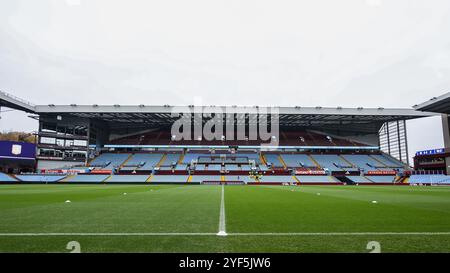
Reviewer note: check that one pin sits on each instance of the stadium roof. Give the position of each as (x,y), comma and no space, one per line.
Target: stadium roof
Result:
(14,102)
(439,104)
(362,119)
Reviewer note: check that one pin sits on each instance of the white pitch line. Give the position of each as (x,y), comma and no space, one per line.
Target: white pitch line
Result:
(110,234)
(222,230)
(336,233)
(229,234)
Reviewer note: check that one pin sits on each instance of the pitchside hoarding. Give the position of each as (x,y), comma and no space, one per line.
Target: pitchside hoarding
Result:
(17,150)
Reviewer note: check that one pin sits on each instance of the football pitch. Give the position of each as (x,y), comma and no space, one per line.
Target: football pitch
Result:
(192,218)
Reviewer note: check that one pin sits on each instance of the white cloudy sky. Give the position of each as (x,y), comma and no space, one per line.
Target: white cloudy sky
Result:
(269,52)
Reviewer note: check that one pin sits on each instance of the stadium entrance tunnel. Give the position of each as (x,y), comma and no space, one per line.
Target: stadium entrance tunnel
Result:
(345,179)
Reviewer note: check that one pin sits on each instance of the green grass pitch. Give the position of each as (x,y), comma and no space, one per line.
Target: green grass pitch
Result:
(185,218)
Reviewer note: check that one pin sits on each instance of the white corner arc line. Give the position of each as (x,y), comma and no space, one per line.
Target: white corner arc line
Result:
(222,226)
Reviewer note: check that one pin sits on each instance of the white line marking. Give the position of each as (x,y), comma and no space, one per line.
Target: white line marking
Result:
(110,234)
(336,233)
(222,230)
(228,234)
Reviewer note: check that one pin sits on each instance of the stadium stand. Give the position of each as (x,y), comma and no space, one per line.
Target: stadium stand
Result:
(317,179)
(127,178)
(171,159)
(381,179)
(168,179)
(365,162)
(181,167)
(85,178)
(429,179)
(298,160)
(109,161)
(359,179)
(142,161)
(273,160)
(331,162)
(32,178)
(6,178)
(189,157)
(300,137)
(203,178)
(277,179)
(388,161)
(243,178)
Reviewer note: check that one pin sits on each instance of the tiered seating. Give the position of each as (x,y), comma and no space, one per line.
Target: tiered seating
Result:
(272,159)
(109,161)
(127,179)
(181,167)
(262,167)
(214,167)
(277,179)
(91,178)
(288,138)
(201,178)
(433,179)
(40,178)
(298,160)
(169,178)
(188,157)
(389,162)
(6,178)
(249,156)
(381,179)
(171,159)
(316,179)
(366,162)
(143,162)
(244,178)
(329,161)
(232,167)
(200,167)
(359,179)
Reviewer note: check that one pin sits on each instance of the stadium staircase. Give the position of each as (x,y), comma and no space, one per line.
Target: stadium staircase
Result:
(282,161)
(108,178)
(161,161)
(149,179)
(345,179)
(126,160)
(180,160)
(12,176)
(296,179)
(189,179)
(263,159)
(67,178)
(369,179)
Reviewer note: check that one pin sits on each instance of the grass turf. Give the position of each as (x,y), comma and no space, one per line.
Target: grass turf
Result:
(249,209)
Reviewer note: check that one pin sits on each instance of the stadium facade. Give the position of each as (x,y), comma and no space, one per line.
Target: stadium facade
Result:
(438,159)
(222,141)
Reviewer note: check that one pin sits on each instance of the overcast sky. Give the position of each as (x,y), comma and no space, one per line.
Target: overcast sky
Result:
(350,53)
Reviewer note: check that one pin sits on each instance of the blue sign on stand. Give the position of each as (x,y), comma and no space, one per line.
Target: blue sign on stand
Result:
(430,152)
(17,150)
